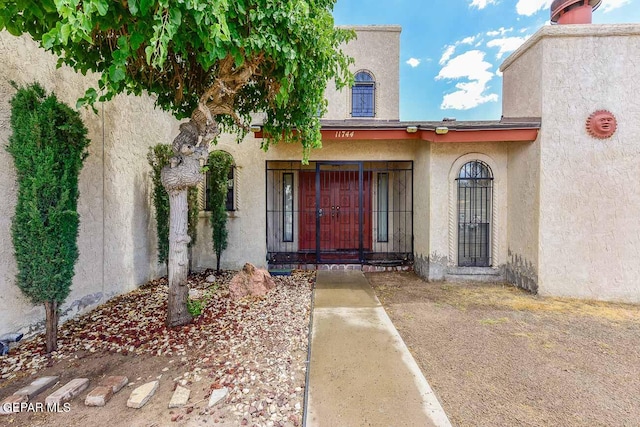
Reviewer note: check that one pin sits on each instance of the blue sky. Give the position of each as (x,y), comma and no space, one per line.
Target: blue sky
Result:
(451,50)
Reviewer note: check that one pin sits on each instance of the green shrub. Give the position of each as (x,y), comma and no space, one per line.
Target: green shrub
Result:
(195,307)
(219,165)
(48,145)
(158,157)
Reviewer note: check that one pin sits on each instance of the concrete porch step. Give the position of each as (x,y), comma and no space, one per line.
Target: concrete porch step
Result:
(474,274)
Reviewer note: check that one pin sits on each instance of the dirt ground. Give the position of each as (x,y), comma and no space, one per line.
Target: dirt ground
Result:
(231,344)
(138,368)
(494,355)
(499,356)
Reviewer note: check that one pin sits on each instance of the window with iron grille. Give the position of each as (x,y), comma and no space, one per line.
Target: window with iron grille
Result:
(475,198)
(363,95)
(287,207)
(231,184)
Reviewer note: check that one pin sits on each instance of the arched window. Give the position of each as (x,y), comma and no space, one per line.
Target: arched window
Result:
(230,203)
(475,199)
(363,95)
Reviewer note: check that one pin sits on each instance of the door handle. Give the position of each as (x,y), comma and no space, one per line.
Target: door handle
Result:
(337,211)
(320,213)
(333,211)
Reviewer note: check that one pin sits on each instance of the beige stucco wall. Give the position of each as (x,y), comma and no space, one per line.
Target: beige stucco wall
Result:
(376,49)
(247,225)
(445,163)
(523,210)
(421,208)
(522,96)
(117,235)
(522,82)
(589,233)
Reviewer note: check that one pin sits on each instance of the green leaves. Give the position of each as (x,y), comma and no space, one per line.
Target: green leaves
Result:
(173,49)
(116,73)
(48,145)
(102,6)
(220,164)
(158,157)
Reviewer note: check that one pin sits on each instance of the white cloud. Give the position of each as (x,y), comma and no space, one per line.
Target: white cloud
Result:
(529,7)
(448,52)
(468,40)
(471,66)
(609,5)
(481,4)
(499,32)
(413,62)
(506,44)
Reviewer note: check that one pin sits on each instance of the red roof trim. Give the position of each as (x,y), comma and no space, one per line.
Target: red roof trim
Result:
(452,136)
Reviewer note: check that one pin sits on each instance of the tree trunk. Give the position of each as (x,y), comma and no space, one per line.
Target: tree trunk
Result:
(184,171)
(51,337)
(218,263)
(177,313)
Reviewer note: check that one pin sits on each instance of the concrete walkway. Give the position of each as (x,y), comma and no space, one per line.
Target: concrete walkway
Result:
(361,372)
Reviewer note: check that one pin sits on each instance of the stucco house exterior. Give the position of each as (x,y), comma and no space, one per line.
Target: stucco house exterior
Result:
(536,198)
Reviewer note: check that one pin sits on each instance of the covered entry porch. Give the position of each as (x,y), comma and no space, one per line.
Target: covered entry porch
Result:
(337,212)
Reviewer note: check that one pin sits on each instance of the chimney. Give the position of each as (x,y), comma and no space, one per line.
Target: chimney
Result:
(573,11)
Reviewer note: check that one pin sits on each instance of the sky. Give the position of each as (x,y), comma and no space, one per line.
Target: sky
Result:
(451,50)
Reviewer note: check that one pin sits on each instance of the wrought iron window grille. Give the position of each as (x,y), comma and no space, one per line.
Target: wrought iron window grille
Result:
(475,207)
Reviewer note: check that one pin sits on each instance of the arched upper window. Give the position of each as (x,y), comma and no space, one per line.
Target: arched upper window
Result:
(363,95)
(475,200)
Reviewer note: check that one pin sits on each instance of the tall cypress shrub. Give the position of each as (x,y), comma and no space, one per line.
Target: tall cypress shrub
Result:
(158,157)
(48,145)
(220,163)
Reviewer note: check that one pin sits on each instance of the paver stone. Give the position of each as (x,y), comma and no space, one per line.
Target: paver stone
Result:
(99,396)
(180,397)
(141,395)
(217,395)
(37,386)
(67,391)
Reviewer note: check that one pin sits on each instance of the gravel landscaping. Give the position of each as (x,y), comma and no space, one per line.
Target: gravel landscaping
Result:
(255,347)
(494,355)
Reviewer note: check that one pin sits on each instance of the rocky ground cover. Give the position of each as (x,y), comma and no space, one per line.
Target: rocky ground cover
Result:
(255,347)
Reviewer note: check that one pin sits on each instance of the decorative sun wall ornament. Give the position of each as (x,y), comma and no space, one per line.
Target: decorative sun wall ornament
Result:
(601,124)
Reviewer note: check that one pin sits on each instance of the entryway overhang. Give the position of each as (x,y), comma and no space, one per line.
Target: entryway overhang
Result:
(452,131)
(447,131)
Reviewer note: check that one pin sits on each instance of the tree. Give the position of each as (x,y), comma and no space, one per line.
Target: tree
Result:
(213,61)
(220,163)
(158,157)
(48,145)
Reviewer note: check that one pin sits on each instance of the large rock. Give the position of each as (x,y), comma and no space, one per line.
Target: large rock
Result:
(251,281)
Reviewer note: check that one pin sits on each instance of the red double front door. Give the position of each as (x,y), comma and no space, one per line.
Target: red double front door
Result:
(337,209)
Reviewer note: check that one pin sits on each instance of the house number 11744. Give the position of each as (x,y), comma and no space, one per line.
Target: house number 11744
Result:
(345,133)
